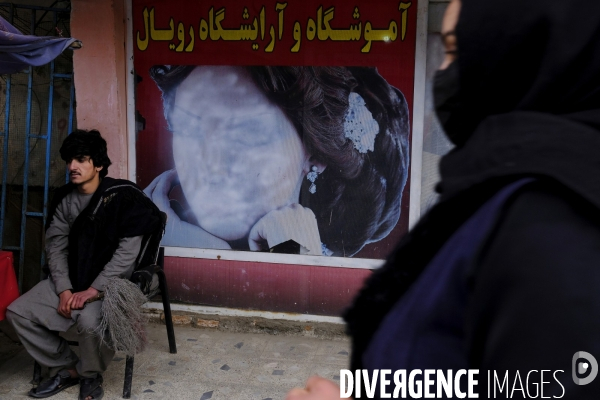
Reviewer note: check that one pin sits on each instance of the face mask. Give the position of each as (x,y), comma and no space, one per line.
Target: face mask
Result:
(447,100)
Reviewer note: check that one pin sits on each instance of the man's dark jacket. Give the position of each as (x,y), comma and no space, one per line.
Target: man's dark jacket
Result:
(118,209)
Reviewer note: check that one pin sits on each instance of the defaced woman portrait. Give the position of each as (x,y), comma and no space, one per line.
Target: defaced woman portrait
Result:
(265,155)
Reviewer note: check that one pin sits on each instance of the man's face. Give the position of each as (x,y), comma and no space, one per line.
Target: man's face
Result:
(82,170)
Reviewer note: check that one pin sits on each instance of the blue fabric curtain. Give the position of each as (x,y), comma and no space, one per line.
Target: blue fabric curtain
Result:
(18,51)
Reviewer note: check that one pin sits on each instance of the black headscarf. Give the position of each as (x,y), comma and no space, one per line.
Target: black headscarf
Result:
(529,94)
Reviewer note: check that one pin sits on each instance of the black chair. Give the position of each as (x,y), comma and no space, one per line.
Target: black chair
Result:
(157,269)
(153,265)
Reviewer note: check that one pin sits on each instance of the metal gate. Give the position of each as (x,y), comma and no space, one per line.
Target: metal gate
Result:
(37,109)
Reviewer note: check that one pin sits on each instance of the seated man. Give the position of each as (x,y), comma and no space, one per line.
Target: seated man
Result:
(95,230)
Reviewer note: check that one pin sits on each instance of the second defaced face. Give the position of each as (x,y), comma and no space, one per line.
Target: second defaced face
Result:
(236,153)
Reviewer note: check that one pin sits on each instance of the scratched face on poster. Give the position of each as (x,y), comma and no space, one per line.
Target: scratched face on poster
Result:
(311,158)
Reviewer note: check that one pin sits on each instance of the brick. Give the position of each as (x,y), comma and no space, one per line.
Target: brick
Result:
(206,323)
(178,319)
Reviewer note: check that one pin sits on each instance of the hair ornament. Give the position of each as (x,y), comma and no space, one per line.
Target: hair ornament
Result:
(163,69)
(359,124)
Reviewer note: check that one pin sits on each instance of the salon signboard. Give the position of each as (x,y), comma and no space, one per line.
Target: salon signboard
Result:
(276,136)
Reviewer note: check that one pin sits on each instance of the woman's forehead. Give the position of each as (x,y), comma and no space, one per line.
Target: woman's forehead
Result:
(451,17)
(228,80)
(227,88)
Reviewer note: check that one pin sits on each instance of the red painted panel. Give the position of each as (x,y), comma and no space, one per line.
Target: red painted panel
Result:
(9,289)
(260,286)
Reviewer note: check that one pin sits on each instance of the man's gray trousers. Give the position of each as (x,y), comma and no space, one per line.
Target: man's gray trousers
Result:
(36,320)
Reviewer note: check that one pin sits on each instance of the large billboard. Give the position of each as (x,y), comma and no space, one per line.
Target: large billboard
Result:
(281,127)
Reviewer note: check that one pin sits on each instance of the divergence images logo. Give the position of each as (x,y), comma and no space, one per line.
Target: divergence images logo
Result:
(583,363)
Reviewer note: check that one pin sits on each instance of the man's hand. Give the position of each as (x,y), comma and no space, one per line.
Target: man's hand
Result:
(317,388)
(64,304)
(77,301)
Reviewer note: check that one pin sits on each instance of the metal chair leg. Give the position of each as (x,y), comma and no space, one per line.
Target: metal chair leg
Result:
(168,316)
(162,282)
(128,377)
(37,374)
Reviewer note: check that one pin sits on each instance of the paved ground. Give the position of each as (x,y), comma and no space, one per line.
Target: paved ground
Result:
(210,364)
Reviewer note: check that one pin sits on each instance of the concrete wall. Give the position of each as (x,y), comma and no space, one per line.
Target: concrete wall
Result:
(100,68)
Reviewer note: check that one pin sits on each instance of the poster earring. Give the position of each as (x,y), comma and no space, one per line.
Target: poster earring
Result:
(312,177)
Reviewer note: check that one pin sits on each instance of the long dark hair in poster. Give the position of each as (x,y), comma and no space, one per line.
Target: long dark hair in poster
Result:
(267,154)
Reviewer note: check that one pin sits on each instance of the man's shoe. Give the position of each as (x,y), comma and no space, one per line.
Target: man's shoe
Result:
(57,383)
(91,387)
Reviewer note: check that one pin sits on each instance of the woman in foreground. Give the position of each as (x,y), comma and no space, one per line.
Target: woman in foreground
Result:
(503,274)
